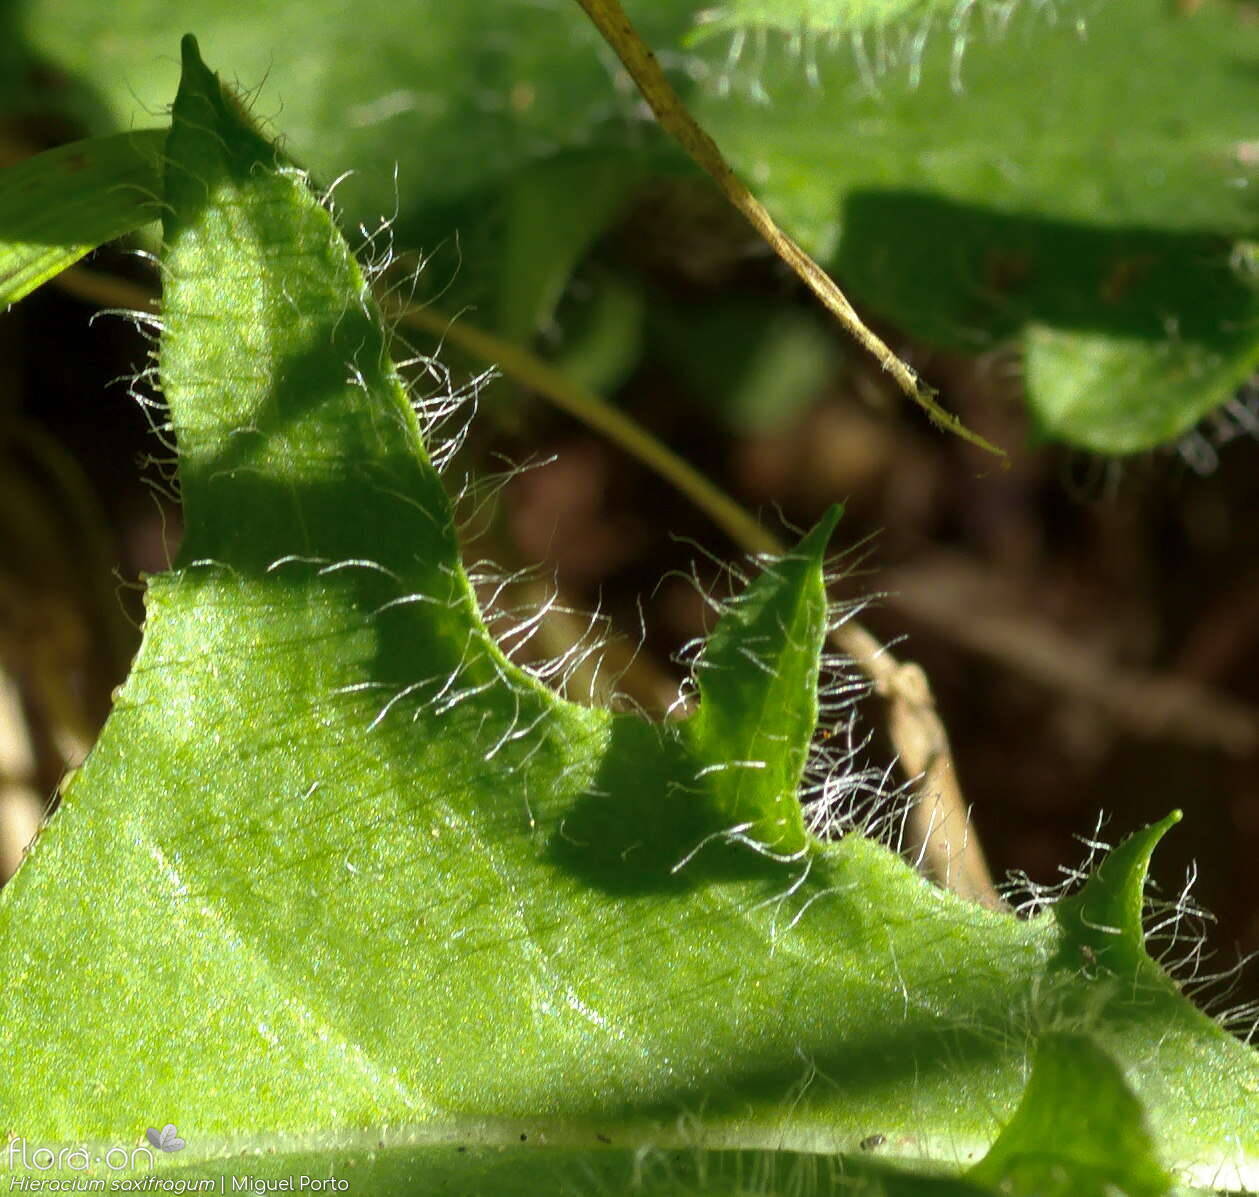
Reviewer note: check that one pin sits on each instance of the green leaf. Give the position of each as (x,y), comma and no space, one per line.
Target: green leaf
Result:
(989,274)
(64,203)
(1078,1132)
(564,1171)
(1102,923)
(1122,395)
(758,682)
(413,108)
(341,882)
(757,364)
(810,17)
(1062,210)
(1097,211)
(447,135)
(553,211)
(1122,133)
(603,333)
(1130,335)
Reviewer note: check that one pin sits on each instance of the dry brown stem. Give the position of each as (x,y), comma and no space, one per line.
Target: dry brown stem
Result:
(610,19)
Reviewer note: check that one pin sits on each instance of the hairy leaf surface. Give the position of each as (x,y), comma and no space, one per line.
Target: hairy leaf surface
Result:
(341,882)
(1087,171)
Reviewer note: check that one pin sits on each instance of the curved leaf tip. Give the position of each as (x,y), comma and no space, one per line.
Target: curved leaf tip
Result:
(758,679)
(1103,920)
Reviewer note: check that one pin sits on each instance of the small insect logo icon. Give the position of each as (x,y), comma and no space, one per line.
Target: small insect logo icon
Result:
(166,1139)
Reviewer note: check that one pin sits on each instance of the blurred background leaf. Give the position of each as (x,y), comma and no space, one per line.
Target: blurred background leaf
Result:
(901,143)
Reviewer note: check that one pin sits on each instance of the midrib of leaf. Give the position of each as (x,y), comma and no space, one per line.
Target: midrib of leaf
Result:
(252,902)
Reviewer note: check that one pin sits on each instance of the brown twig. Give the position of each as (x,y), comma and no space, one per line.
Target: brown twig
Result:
(610,19)
(20,808)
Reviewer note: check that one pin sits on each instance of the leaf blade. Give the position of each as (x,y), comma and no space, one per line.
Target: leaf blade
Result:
(758,681)
(61,204)
(362,834)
